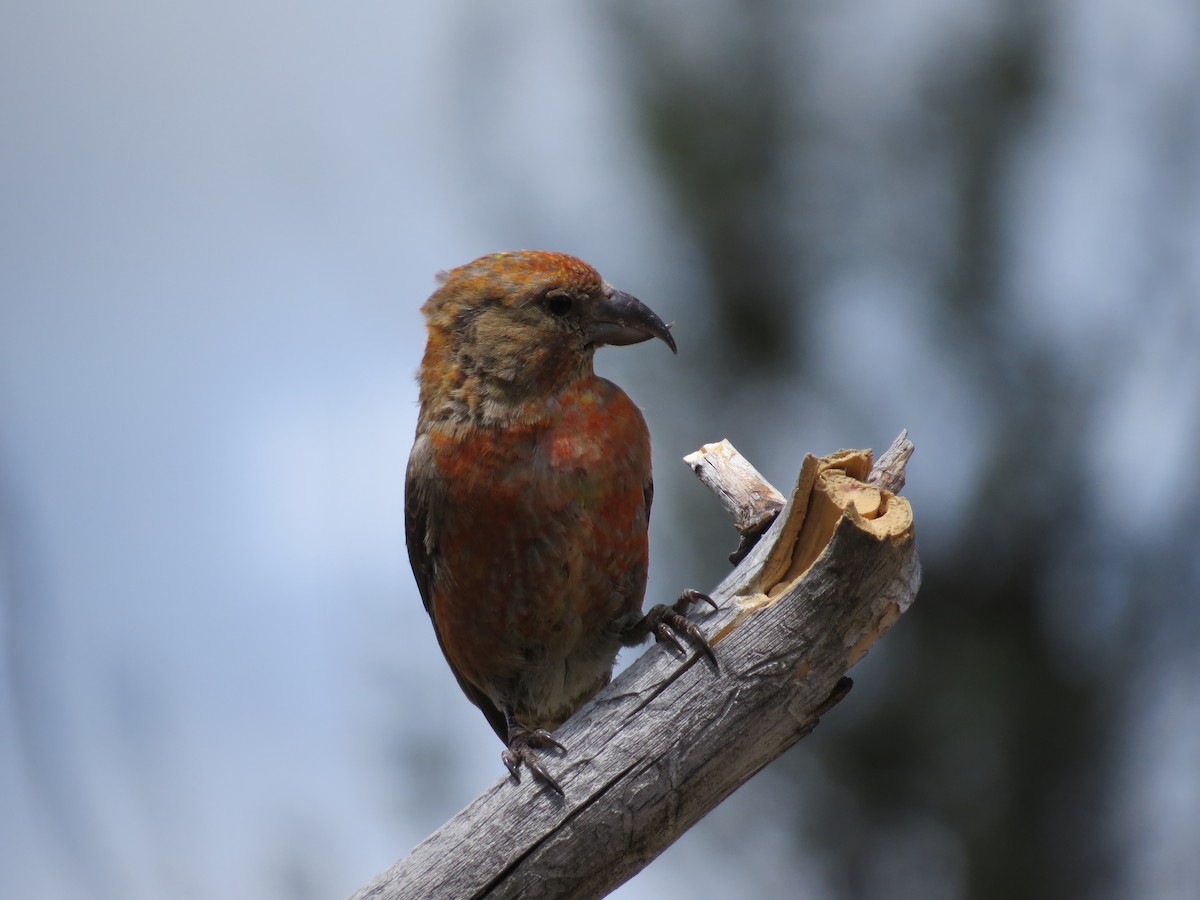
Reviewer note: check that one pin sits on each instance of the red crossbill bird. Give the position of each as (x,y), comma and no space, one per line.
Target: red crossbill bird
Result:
(528,492)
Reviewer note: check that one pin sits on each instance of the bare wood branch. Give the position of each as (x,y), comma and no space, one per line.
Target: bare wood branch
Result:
(746,495)
(888,472)
(671,737)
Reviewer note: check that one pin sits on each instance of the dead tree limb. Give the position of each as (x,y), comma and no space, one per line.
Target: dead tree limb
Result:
(671,737)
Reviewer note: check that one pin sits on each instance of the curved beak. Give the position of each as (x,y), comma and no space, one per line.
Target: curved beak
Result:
(620,319)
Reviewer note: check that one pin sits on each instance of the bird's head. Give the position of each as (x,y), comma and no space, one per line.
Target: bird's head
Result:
(511,327)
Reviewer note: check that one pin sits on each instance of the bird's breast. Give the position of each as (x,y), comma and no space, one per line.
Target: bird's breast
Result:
(542,545)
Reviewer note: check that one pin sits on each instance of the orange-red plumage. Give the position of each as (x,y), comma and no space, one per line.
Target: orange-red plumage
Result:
(529,488)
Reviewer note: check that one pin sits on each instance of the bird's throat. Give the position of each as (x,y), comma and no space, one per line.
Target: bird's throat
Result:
(490,391)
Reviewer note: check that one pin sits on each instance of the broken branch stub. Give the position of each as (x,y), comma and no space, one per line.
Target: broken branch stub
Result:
(743,491)
(842,489)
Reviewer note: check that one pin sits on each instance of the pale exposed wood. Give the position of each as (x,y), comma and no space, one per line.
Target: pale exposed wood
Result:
(746,495)
(671,737)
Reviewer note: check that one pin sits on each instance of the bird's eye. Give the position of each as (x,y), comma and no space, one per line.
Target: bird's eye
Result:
(559,304)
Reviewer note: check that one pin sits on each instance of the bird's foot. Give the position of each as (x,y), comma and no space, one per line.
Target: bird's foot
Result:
(667,622)
(522,742)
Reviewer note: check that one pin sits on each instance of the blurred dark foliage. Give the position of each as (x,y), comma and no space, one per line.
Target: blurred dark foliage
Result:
(984,738)
(718,127)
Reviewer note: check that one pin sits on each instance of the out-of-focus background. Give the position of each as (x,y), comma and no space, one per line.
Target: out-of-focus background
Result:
(979,220)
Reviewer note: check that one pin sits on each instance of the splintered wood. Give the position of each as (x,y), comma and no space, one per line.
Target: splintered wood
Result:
(839,486)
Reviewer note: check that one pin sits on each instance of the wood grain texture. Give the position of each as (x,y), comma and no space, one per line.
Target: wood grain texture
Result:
(671,737)
(743,491)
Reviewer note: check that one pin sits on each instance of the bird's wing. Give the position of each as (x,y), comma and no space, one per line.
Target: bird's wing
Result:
(419,486)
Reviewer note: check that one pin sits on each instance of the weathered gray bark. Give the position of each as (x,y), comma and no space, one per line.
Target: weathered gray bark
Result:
(671,737)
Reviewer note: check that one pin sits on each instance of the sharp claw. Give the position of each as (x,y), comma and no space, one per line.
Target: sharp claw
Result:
(663,632)
(520,749)
(667,623)
(536,767)
(543,738)
(679,623)
(513,763)
(692,631)
(690,596)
